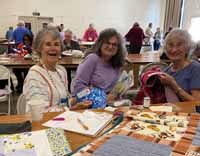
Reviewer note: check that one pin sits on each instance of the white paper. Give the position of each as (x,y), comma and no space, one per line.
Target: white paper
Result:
(161,108)
(94,121)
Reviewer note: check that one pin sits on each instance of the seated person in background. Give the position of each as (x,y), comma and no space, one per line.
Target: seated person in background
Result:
(23,49)
(68,43)
(183,75)
(196,52)
(167,32)
(27,43)
(46,81)
(90,34)
(197,49)
(101,67)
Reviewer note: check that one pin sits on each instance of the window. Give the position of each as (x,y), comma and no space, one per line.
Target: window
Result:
(194,28)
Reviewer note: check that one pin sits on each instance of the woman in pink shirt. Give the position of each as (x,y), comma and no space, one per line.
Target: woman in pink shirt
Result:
(90,34)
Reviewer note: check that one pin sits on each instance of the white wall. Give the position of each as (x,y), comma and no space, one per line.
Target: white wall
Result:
(192,9)
(77,14)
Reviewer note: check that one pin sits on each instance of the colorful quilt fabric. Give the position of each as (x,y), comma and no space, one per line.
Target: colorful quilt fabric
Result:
(182,134)
(49,142)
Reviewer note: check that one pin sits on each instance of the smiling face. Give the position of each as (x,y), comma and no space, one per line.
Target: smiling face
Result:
(68,37)
(50,50)
(109,48)
(176,49)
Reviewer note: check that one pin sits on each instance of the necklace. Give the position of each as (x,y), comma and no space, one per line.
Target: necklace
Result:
(186,63)
(53,82)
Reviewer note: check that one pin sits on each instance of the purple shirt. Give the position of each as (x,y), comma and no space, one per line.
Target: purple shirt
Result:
(94,72)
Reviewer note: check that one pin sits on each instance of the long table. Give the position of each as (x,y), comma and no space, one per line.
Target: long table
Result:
(71,63)
(20,62)
(76,140)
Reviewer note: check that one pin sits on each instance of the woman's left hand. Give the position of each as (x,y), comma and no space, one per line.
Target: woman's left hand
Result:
(110,98)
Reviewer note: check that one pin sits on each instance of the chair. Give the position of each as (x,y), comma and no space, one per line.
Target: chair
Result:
(21,105)
(5,93)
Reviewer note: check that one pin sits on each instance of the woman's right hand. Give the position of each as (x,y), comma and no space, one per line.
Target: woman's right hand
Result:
(81,105)
(166,79)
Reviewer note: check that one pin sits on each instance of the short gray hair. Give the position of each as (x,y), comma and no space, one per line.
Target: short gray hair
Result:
(39,39)
(68,31)
(20,23)
(182,35)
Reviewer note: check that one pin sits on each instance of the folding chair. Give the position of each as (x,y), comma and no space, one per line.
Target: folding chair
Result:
(5,93)
(21,105)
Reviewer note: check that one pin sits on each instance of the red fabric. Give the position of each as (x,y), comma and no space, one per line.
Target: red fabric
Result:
(21,51)
(135,35)
(156,92)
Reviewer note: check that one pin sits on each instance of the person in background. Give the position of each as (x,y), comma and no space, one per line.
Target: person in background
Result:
(62,27)
(90,34)
(101,66)
(182,75)
(28,27)
(27,43)
(9,34)
(148,34)
(195,52)
(62,33)
(135,36)
(47,81)
(25,47)
(157,38)
(68,43)
(170,28)
(19,33)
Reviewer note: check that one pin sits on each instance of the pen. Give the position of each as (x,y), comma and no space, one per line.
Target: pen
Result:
(58,119)
(82,124)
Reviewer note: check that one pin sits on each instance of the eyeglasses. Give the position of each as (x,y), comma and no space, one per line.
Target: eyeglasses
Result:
(114,45)
(175,45)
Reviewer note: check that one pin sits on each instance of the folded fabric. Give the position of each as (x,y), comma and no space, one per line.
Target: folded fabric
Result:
(124,82)
(96,95)
(127,146)
(152,87)
(11,128)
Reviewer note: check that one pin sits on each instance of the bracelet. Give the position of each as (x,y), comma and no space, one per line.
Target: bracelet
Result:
(178,90)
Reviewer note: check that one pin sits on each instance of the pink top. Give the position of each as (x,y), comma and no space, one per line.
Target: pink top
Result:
(90,35)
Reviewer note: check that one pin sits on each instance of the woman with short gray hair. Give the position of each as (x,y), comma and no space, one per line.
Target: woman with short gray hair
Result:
(183,75)
(47,81)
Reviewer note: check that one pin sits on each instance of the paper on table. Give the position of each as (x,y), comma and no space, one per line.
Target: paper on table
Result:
(94,121)
(161,108)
